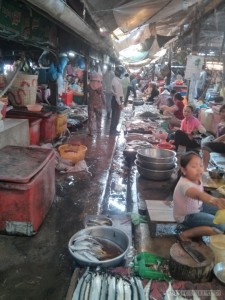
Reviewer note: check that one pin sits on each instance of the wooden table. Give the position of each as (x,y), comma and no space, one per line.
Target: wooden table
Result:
(159,212)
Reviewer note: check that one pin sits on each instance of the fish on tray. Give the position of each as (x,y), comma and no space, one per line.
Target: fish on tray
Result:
(98,222)
(94,249)
(105,286)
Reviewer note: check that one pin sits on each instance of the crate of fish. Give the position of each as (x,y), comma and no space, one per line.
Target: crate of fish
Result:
(97,220)
(147,265)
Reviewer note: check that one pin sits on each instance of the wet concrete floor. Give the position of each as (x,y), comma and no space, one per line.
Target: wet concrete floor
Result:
(41,267)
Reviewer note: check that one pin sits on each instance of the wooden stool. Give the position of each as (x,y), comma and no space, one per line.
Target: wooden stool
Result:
(159,212)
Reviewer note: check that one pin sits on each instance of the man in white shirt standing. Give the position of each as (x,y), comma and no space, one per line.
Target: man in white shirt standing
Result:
(107,87)
(201,83)
(117,100)
(125,81)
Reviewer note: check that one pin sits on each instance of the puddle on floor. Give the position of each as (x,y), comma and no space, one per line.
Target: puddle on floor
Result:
(116,204)
(66,184)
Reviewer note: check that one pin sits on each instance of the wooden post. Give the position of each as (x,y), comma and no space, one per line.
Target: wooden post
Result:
(222,57)
(168,77)
(153,72)
(195,37)
(85,77)
(188,89)
(53,86)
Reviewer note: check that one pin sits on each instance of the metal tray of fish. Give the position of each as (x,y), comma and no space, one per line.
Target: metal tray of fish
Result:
(97,220)
(104,246)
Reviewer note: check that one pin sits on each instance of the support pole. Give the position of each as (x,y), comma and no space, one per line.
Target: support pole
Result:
(168,78)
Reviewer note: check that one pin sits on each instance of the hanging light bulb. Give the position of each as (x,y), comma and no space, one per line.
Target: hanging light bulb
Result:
(84,13)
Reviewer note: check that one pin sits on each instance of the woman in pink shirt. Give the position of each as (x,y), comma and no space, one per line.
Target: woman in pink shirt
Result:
(175,112)
(189,126)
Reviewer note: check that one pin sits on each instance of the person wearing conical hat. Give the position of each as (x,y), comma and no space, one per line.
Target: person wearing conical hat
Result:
(96,103)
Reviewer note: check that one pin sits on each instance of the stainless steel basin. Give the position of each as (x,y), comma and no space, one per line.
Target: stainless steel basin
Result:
(219,271)
(155,165)
(156,155)
(154,174)
(109,233)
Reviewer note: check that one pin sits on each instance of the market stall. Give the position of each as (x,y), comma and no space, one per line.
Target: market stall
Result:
(159,210)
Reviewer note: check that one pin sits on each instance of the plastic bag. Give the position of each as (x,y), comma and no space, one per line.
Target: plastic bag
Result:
(136,219)
(219,217)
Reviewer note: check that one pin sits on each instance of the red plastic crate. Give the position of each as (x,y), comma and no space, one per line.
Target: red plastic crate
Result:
(48,129)
(47,126)
(4,108)
(34,130)
(27,188)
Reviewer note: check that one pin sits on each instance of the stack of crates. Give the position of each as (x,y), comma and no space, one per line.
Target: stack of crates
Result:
(61,118)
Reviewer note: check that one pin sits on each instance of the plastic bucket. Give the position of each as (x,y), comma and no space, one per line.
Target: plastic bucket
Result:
(217,244)
(74,153)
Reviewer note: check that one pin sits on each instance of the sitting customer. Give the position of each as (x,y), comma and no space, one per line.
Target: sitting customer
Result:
(165,98)
(189,126)
(170,99)
(175,112)
(218,144)
(153,92)
(193,207)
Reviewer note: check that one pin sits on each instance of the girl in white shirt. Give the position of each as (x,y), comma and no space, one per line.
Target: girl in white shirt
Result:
(193,207)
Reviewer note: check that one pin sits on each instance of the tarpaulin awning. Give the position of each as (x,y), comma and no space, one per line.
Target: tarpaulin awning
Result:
(136,13)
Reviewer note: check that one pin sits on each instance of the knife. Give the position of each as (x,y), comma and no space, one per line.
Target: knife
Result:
(195,254)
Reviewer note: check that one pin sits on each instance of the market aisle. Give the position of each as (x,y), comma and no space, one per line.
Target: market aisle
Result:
(40,267)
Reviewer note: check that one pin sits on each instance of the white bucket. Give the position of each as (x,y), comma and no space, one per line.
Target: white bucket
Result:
(217,244)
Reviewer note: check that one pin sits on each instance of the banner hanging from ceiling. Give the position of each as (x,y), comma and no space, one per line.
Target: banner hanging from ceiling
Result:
(20,24)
